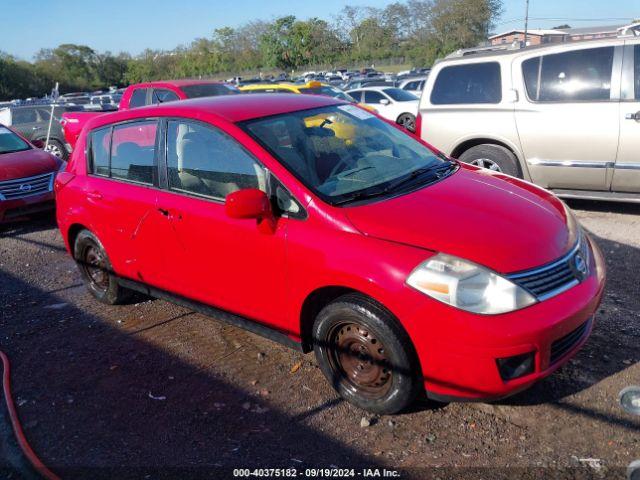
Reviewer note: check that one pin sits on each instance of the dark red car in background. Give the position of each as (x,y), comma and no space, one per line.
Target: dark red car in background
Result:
(316,223)
(26,176)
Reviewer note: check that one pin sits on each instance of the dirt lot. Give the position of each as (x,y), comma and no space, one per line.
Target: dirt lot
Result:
(151,390)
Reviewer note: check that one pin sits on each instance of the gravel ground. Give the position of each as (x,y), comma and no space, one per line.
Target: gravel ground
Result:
(152,390)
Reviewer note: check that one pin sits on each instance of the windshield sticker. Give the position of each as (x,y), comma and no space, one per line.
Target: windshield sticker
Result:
(356,112)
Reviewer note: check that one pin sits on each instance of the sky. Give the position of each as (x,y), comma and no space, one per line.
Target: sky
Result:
(133,25)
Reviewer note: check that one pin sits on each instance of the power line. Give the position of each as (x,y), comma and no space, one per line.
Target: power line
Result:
(566,19)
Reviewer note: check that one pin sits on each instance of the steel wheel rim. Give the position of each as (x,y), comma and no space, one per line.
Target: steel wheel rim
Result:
(54,150)
(408,123)
(95,267)
(486,164)
(359,360)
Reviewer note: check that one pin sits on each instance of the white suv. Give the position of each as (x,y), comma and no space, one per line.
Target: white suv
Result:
(564,116)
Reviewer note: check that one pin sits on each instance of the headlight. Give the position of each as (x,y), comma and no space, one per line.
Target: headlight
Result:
(468,286)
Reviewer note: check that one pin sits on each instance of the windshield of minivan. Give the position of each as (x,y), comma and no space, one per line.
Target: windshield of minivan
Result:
(209,90)
(344,153)
(10,142)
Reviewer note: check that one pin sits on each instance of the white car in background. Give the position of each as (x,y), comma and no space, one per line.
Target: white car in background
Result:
(414,85)
(391,103)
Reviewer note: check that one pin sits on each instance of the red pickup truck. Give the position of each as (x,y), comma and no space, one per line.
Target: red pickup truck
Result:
(142,94)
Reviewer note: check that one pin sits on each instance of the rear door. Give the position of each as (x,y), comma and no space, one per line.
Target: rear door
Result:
(122,188)
(568,115)
(626,176)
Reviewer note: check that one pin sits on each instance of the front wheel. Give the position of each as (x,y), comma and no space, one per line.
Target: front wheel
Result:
(408,121)
(365,355)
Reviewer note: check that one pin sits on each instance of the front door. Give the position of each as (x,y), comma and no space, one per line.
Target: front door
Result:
(626,176)
(567,117)
(210,257)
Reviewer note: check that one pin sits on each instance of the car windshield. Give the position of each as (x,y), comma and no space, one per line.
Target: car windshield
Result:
(344,153)
(209,90)
(400,95)
(10,142)
(329,92)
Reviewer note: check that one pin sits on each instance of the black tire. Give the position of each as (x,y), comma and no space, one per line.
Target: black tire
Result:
(57,148)
(96,270)
(383,377)
(408,121)
(496,155)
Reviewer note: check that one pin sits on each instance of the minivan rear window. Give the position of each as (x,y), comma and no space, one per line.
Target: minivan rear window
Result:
(471,83)
(574,76)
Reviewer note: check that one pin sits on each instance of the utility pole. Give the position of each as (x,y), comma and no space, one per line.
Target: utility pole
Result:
(526,23)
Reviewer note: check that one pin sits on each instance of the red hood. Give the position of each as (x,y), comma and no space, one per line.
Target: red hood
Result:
(26,164)
(505,225)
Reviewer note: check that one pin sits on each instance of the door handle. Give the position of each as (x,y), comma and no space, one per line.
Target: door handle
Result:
(94,195)
(633,116)
(164,212)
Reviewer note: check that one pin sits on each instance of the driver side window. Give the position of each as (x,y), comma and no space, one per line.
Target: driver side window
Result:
(204,161)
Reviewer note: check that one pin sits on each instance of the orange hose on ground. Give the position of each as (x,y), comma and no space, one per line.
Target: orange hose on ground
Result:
(17,428)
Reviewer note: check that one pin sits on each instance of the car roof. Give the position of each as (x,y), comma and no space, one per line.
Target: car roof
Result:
(177,83)
(232,108)
(374,88)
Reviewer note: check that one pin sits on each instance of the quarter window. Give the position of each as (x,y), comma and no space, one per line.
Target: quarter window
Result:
(636,60)
(579,75)
(133,152)
(473,83)
(100,140)
(204,161)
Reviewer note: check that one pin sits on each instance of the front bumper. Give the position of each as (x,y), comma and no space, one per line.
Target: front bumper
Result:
(22,207)
(458,351)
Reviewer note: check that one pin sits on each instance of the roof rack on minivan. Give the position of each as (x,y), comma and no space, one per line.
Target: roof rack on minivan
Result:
(463,52)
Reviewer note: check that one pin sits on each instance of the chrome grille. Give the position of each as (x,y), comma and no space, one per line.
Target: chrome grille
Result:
(24,187)
(552,279)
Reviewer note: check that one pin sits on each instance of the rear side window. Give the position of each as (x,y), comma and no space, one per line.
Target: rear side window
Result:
(100,144)
(204,161)
(576,76)
(138,98)
(133,152)
(472,83)
(24,115)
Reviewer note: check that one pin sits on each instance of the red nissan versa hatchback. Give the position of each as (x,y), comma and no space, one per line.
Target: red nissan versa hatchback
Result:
(26,177)
(316,223)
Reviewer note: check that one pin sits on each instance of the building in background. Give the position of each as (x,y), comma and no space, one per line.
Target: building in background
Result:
(539,36)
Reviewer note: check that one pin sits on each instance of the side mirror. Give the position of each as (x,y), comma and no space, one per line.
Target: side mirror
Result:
(251,203)
(38,143)
(385,101)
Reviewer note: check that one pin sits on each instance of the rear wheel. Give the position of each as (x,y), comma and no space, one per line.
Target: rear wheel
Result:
(493,157)
(96,270)
(365,355)
(408,121)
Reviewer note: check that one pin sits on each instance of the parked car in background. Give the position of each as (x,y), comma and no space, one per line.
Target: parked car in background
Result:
(32,122)
(75,98)
(360,82)
(309,88)
(564,116)
(149,93)
(413,85)
(105,102)
(373,251)
(392,103)
(26,176)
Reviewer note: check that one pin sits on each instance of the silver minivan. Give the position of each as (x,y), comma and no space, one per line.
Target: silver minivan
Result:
(564,116)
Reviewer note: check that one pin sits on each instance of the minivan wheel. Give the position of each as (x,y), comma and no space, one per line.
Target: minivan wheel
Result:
(493,157)
(96,270)
(365,355)
(408,121)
